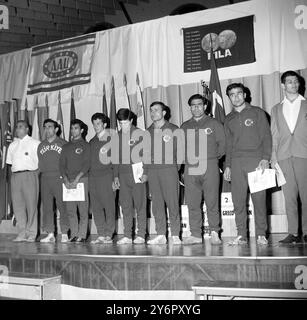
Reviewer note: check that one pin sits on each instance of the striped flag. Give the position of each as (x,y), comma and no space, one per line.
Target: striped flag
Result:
(217,105)
(59,117)
(113,119)
(104,101)
(141,122)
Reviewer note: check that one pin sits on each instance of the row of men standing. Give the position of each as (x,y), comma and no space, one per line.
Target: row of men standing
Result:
(245,138)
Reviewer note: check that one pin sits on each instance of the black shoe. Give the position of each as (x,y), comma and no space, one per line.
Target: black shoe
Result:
(291,239)
(80,240)
(74,239)
(305,238)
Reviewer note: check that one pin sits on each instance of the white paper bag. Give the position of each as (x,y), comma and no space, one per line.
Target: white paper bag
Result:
(259,181)
(280,176)
(137,169)
(77,194)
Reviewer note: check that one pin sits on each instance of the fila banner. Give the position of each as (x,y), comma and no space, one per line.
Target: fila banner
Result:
(61,64)
(232,42)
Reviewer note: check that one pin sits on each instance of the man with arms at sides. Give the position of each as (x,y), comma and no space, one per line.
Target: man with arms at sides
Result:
(248,147)
(22,156)
(49,152)
(163,178)
(74,167)
(207,182)
(132,195)
(101,177)
(289,131)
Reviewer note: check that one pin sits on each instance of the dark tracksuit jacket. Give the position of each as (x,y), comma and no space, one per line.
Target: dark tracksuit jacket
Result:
(132,196)
(208,181)
(75,157)
(51,183)
(102,197)
(163,179)
(248,140)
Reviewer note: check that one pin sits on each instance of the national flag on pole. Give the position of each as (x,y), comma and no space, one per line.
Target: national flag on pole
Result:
(35,126)
(72,110)
(217,105)
(59,117)
(104,101)
(141,122)
(126,92)
(113,119)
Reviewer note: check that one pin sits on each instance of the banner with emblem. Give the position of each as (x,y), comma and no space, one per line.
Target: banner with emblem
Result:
(61,64)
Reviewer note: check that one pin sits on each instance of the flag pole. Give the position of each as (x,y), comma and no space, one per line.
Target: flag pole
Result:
(141,95)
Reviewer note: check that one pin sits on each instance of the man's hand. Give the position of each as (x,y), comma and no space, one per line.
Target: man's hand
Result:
(67,183)
(273,164)
(116,184)
(144,178)
(263,164)
(227,174)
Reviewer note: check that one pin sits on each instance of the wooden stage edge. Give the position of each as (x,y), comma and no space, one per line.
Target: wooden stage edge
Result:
(142,267)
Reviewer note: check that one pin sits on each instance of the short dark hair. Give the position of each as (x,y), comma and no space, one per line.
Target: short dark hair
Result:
(289,73)
(101,116)
(197,96)
(233,86)
(124,114)
(24,122)
(55,124)
(163,106)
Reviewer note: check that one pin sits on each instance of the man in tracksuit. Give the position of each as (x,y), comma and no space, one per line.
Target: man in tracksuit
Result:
(289,131)
(102,198)
(248,147)
(49,152)
(163,179)
(207,181)
(132,195)
(74,167)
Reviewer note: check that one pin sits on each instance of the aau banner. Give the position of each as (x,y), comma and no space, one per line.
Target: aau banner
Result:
(61,64)
(232,42)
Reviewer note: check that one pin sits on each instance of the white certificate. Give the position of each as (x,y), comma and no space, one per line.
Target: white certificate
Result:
(259,181)
(77,194)
(137,169)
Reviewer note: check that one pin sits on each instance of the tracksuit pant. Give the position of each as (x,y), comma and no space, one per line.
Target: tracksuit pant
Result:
(239,187)
(164,188)
(78,226)
(52,188)
(206,185)
(24,189)
(295,172)
(132,196)
(102,201)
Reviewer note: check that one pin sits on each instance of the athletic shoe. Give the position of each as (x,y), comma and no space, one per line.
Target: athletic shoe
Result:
(291,238)
(124,240)
(31,239)
(175,240)
(98,240)
(215,239)
(73,239)
(48,239)
(108,240)
(20,239)
(160,239)
(192,240)
(139,240)
(239,240)
(80,240)
(262,240)
(64,238)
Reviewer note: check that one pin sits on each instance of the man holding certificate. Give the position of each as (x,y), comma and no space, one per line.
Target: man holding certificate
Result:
(74,167)
(248,147)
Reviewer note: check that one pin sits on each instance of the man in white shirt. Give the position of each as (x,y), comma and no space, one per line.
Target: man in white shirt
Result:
(289,132)
(22,156)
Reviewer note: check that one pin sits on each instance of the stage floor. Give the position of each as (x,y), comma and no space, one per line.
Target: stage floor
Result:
(162,267)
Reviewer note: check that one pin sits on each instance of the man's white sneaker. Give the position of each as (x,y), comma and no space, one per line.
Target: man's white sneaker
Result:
(64,238)
(139,240)
(48,239)
(192,240)
(215,239)
(175,240)
(124,240)
(98,240)
(261,240)
(239,240)
(160,239)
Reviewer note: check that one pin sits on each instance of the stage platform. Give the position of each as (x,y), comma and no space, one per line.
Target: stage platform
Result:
(163,267)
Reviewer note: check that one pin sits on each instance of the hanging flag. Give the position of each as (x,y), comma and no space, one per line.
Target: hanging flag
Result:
(140,112)
(113,120)
(126,92)
(61,64)
(217,105)
(59,117)
(35,125)
(104,101)
(72,110)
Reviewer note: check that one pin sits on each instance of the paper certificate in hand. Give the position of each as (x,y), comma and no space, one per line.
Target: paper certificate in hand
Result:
(137,169)
(77,194)
(259,181)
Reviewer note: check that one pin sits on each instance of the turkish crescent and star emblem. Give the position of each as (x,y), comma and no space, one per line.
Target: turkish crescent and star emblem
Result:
(208,131)
(249,122)
(78,150)
(166,138)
